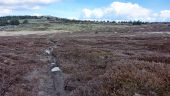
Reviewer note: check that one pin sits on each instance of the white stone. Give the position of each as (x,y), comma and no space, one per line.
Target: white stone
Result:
(55,69)
(47,51)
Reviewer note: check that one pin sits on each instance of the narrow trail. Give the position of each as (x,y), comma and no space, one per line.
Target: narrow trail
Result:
(56,73)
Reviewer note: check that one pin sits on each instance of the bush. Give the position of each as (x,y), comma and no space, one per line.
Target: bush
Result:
(14,22)
(25,22)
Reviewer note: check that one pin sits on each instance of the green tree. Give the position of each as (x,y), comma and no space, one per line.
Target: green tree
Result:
(113,22)
(137,23)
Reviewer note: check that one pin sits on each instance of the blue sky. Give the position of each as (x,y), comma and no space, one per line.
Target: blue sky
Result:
(146,10)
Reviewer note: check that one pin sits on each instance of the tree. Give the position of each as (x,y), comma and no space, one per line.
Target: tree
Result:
(14,22)
(25,22)
(137,22)
(113,22)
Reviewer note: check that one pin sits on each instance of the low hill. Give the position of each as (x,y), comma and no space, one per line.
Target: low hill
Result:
(50,23)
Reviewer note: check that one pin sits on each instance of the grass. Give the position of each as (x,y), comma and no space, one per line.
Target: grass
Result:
(46,25)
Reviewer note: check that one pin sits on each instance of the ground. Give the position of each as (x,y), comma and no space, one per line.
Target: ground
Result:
(108,61)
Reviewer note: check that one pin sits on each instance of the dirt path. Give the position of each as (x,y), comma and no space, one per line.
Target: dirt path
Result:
(56,73)
(20,33)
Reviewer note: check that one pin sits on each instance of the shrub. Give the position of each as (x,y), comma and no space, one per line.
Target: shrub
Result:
(14,22)
(25,22)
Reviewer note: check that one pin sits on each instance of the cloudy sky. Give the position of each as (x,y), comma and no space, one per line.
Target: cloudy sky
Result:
(146,10)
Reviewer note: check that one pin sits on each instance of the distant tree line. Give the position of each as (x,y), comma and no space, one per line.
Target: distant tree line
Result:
(133,22)
(19,17)
(64,20)
(16,20)
(104,22)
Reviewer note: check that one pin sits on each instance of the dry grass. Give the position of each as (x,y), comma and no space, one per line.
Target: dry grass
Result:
(98,63)
(18,57)
(116,65)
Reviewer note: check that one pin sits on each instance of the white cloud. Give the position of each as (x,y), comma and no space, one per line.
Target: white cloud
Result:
(4,12)
(16,5)
(96,12)
(73,18)
(16,2)
(36,7)
(87,12)
(125,11)
(130,9)
(165,14)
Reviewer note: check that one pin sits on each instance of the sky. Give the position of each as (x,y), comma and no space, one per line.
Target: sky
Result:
(117,10)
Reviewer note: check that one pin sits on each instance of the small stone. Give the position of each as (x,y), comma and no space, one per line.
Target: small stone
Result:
(55,69)
(47,51)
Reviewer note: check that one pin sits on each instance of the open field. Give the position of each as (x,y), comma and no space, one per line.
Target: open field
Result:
(87,27)
(110,60)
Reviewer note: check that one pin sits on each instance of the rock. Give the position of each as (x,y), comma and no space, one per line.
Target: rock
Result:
(55,69)
(47,51)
